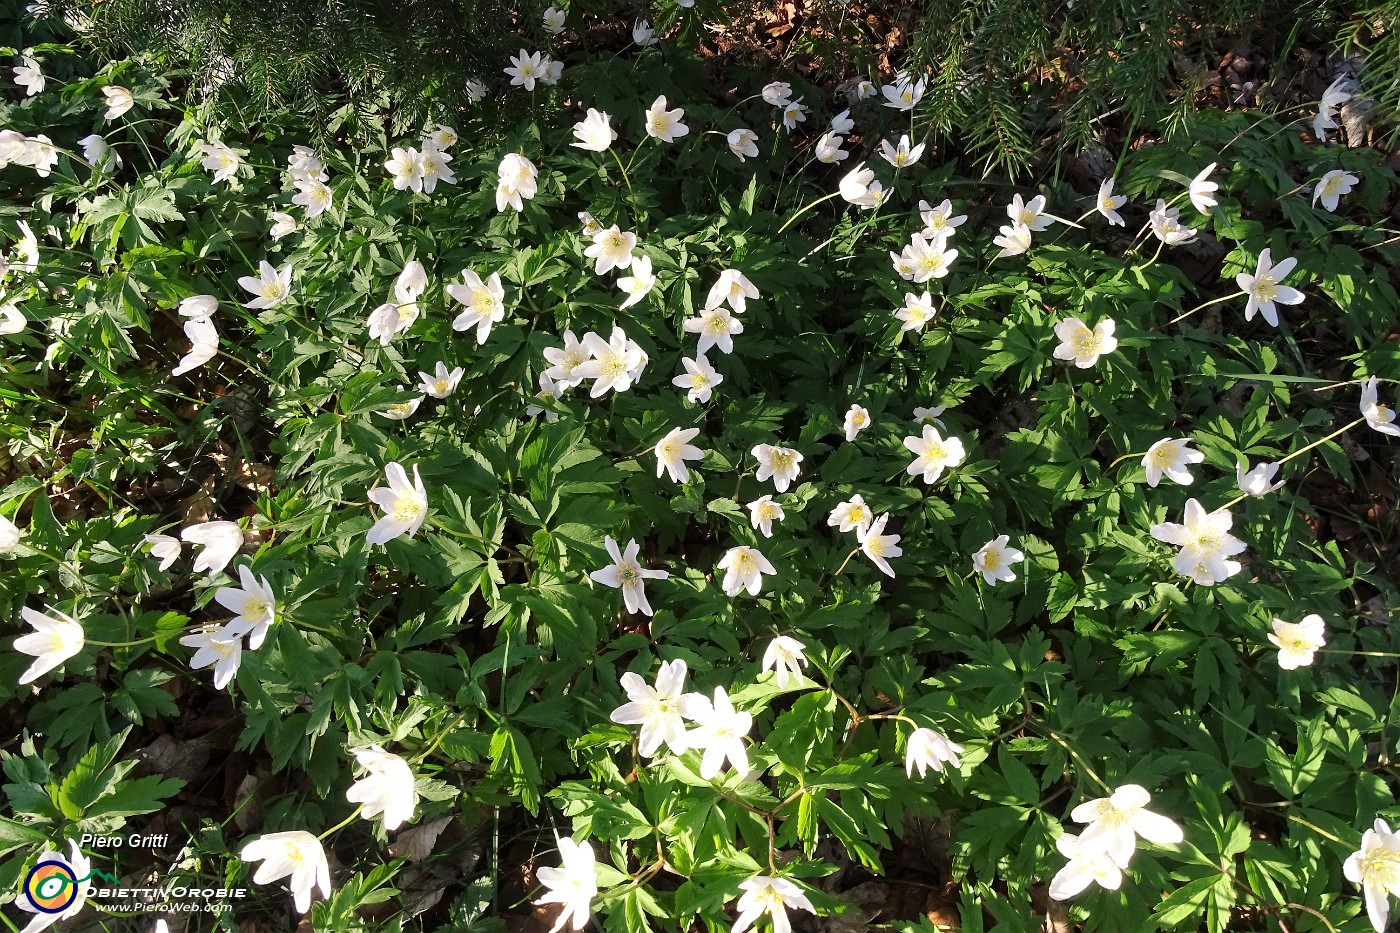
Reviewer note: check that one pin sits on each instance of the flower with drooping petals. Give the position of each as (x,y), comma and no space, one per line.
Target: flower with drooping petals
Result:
(220,541)
(1202,192)
(929,748)
(763,512)
(296,854)
(573,884)
(785,658)
(387,787)
(1379,417)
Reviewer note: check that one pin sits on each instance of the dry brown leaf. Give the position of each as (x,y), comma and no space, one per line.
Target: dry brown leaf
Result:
(416,843)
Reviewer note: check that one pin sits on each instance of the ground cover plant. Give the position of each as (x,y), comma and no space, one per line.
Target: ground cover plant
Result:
(683,511)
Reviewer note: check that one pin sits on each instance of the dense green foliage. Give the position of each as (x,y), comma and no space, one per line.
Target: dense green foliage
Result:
(481,651)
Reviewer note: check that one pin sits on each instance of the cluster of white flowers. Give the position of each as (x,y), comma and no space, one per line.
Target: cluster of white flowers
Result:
(1101,853)
(419,169)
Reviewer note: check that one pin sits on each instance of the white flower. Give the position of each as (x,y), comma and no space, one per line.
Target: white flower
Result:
(402,410)
(313,195)
(643,34)
(763,512)
(841,124)
(859,187)
(1332,186)
(9,535)
(432,163)
(441,382)
(720,734)
(673,450)
(878,546)
(940,222)
(1108,203)
(994,559)
(76,866)
(933,453)
(98,154)
(1378,417)
(664,124)
(929,748)
(1263,288)
(903,155)
(660,711)
(591,227)
(785,658)
(1115,823)
(1166,225)
(282,224)
(296,854)
(476,91)
(781,463)
(406,166)
(930,415)
(199,307)
(1171,457)
(700,378)
(405,505)
(518,181)
(828,149)
(573,884)
(1086,865)
(851,515)
(253,604)
(904,94)
(1376,867)
(29,76)
(1332,98)
(743,142)
(55,639)
(305,165)
(917,311)
(793,114)
(716,328)
(216,646)
(1202,192)
(744,568)
(221,160)
(272,286)
(385,321)
(594,132)
(442,137)
(204,345)
(525,69)
(611,249)
(553,71)
(220,540)
(1029,213)
(554,20)
(638,283)
(626,573)
(779,93)
(1084,346)
(484,303)
(1257,482)
(412,281)
(924,259)
(565,361)
(1014,239)
(1297,642)
(732,287)
(614,363)
(857,420)
(1205,542)
(771,896)
(549,391)
(12,319)
(387,787)
(119,100)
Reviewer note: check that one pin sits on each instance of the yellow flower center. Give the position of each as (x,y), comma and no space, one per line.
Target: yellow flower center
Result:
(991,558)
(779,460)
(1086,343)
(442,386)
(1265,288)
(406,508)
(1163,457)
(629,573)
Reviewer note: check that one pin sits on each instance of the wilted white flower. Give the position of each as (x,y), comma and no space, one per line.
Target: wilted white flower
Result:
(220,540)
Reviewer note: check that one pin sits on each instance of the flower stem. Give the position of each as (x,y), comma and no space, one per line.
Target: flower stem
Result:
(343,823)
(1298,453)
(806,208)
(1213,301)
